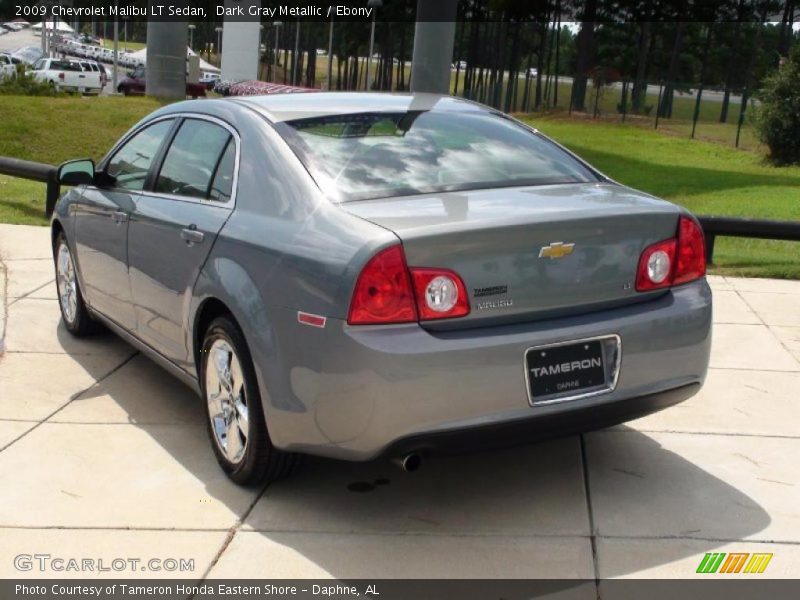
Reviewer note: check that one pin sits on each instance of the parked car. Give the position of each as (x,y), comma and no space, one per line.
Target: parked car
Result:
(355,275)
(134,83)
(66,75)
(93,66)
(28,54)
(208,79)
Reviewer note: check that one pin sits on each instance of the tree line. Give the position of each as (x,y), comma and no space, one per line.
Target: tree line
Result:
(510,53)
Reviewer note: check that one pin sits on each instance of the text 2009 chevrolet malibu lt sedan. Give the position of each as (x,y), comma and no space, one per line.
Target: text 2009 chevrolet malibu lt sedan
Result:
(353,275)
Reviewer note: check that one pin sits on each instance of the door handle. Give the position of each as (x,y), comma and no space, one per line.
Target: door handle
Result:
(191,235)
(119,217)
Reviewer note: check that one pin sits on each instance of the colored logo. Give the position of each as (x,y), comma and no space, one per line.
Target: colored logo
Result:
(556,250)
(734,562)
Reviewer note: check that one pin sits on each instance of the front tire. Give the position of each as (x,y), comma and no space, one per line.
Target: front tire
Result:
(74,314)
(234,414)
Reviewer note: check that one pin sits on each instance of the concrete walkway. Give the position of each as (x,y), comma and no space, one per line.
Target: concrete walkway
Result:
(103,456)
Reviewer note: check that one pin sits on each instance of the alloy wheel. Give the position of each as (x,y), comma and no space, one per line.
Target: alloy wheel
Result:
(66,283)
(227,400)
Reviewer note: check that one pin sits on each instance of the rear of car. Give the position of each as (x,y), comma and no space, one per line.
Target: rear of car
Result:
(523,294)
(97,72)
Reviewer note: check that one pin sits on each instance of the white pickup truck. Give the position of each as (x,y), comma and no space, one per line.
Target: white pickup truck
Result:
(67,76)
(7,66)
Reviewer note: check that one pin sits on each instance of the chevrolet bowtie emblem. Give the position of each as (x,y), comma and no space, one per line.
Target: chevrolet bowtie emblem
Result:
(556,250)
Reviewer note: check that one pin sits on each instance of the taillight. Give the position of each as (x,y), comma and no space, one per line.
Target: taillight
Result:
(61,76)
(387,291)
(675,261)
(440,293)
(690,261)
(383,291)
(655,266)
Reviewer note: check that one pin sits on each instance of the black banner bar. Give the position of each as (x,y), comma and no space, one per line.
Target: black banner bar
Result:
(712,587)
(269,11)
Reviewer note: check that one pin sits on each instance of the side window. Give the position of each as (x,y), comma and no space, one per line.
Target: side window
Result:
(132,162)
(191,161)
(222,185)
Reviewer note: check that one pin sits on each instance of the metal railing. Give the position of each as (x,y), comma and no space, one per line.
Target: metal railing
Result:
(35,171)
(749,228)
(712,226)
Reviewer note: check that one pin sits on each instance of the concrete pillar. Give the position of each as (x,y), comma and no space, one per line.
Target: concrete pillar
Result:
(166,58)
(434,40)
(241,42)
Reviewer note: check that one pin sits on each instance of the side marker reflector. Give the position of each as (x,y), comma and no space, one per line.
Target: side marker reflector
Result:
(309,319)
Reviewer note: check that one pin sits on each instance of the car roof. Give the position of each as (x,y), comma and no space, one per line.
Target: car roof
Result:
(287,107)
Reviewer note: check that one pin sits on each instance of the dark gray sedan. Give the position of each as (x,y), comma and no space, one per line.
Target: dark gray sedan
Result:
(354,275)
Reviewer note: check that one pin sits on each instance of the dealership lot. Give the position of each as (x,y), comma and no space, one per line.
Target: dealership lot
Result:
(15,40)
(104,456)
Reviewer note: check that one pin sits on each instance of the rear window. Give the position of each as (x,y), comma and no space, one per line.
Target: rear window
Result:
(376,155)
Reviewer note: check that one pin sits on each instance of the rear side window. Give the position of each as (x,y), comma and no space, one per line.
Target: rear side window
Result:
(193,159)
(222,186)
(130,164)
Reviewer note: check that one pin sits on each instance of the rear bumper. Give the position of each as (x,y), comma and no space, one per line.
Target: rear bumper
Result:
(569,421)
(358,392)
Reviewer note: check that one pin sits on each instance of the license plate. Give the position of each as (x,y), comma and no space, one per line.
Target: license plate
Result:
(570,370)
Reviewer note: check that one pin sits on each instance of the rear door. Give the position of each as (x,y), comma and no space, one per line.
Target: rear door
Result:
(173,228)
(101,223)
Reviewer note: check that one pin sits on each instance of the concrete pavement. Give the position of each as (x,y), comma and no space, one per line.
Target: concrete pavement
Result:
(104,456)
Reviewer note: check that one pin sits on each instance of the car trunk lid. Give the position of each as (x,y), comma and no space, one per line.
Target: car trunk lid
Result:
(529,253)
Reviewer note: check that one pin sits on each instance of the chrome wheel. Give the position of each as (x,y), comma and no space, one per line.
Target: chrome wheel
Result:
(227,401)
(66,283)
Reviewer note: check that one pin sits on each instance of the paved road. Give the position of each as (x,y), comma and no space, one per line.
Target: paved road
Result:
(102,453)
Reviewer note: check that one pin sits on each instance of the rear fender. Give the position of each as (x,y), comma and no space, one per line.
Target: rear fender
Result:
(224,280)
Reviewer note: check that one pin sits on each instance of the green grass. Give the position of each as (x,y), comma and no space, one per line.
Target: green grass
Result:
(707,178)
(52,130)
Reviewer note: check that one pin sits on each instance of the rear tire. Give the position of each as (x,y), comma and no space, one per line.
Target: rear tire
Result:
(234,415)
(76,317)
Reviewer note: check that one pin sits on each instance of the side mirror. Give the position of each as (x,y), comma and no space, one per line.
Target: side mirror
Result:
(76,172)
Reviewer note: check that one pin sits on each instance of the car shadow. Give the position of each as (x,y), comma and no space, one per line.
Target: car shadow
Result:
(469,501)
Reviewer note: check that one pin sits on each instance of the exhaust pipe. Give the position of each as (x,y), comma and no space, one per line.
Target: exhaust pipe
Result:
(409,463)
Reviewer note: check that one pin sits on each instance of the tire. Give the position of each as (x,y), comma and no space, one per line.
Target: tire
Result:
(233,406)
(76,317)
